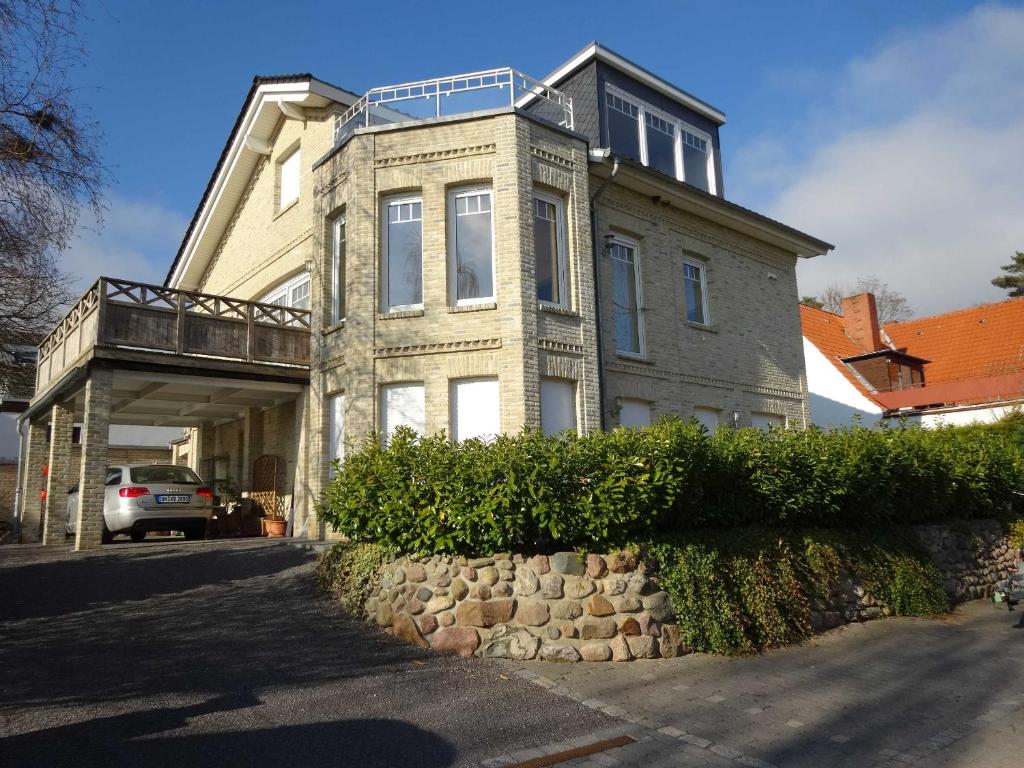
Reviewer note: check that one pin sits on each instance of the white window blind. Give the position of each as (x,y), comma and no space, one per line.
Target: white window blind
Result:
(290,167)
(557,405)
(402,405)
(767,420)
(634,413)
(708,417)
(475,410)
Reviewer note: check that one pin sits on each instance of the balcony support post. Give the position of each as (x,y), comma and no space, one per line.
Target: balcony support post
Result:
(93,473)
(59,473)
(33,482)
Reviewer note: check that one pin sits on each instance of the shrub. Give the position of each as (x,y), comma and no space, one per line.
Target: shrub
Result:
(533,493)
(746,590)
(348,571)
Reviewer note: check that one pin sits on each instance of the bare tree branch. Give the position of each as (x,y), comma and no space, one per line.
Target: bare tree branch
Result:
(890,304)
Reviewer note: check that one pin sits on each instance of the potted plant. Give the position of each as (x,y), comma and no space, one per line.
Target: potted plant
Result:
(228,507)
(275,524)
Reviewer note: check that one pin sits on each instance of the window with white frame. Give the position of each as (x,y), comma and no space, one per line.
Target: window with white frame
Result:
(549,249)
(338,271)
(402,405)
(708,417)
(659,140)
(634,413)
(291,293)
(289,179)
(767,420)
(336,431)
(626,297)
(695,292)
(557,405)
(475,410)
(471,242)
(402,247)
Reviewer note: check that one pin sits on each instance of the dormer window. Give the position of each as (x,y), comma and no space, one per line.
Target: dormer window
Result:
(659,140)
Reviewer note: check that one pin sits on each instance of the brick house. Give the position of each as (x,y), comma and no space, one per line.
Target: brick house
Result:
(476,253)
(955,368)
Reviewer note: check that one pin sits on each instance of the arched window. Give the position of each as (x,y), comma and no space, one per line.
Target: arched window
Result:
(293,292)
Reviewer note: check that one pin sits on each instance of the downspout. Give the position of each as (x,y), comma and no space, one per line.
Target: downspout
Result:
(603,154)
(18,511)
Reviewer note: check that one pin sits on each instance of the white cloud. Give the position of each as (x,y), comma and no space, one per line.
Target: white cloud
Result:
(914,167)
(137,241)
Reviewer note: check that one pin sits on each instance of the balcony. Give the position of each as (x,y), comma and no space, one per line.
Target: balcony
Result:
(126,320)
(489,90)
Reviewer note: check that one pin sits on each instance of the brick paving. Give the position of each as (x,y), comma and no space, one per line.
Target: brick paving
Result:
(947,692)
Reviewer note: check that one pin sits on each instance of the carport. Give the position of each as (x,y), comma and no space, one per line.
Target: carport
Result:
(138,354)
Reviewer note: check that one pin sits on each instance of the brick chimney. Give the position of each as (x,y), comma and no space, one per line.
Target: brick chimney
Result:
(860,320)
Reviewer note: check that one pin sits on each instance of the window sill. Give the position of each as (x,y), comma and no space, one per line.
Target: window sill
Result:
(554,309)
(400,314)
(702,327)
(282,211)
(634,358)
(473,307)
(332,328)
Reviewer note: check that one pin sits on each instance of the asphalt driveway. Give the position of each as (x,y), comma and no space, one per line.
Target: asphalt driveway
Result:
(224,653)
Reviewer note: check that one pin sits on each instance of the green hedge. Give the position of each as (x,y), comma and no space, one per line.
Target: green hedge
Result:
(533,493)
(746,590)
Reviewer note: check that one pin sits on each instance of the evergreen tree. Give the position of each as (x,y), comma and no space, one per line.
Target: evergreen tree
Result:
(1013,280)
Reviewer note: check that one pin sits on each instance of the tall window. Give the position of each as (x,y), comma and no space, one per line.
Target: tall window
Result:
(336,430)
(475,412)
(634,413)
(659,140)
(549,249)
(290,293)
(557,405)
(338,271)
(401,405)
(695,292)
(629,332)
(708,417)
(289,180)
(472,245)
(403,254)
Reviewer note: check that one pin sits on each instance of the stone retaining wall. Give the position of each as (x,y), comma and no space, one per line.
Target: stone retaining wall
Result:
(565,607)
(562,607)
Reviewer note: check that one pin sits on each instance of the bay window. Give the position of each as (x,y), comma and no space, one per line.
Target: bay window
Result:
(402,248)
(471,245)
(549,249)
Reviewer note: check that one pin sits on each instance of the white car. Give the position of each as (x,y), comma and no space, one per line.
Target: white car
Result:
(150,497)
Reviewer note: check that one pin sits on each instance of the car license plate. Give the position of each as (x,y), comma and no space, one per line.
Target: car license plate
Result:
(175,499)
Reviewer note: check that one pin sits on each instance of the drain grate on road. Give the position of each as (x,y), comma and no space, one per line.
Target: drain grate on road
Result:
(572,754)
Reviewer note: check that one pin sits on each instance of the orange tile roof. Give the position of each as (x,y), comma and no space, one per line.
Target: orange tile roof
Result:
(826,331)
(983,341)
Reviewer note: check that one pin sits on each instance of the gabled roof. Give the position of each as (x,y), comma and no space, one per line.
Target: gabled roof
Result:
(598,52)
(258,118)
(974,355)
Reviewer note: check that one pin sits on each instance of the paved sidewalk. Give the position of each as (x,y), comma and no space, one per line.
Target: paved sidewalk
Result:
(899,692)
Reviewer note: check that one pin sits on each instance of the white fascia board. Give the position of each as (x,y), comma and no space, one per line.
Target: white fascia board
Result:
(599,52)
(266,93)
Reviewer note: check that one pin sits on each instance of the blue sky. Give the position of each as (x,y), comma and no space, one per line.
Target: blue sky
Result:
(809,89)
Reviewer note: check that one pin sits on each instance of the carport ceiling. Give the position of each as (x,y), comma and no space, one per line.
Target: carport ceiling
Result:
(171,400)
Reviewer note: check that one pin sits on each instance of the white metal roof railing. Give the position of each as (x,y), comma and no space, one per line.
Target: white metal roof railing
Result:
(454,95)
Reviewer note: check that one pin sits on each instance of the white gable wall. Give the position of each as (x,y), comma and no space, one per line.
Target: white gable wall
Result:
(833,399)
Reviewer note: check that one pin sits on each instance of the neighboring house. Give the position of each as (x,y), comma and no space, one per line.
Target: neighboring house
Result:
(956,368)
(476,253)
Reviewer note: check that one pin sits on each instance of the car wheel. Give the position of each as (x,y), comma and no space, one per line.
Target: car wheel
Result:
(137,536)
(106,537)
(195,531)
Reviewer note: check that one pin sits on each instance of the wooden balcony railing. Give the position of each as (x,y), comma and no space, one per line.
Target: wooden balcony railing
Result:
(142,317)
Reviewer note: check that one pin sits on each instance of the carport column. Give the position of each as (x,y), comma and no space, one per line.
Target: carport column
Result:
(33,482)
(91,481)
(58,479)
(252,443)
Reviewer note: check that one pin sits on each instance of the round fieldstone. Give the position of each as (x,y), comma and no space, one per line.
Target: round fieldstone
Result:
(558,653)
(551,585)
(599,606)
(595,566)
(462,641)
(566,609)
(594,628)
(488,575)
(628,604)
(423,594)
(596,652)
(659,606)
(552,633)
(404,628)
(501,589)
(567,629)
(459,589)
(511,643)
(384,615)
(620,649)
(526,581)
(398,576)
(579,588)
(480,592)
(615,585)
(441,578)
(568,562)
(399,604)
(643,647)
(480,613)
(504,564)
(539,564)
(648,626)
(622,562)
(480,562)
(469,574)
(533,613)
(439,603)
(630,627)
(671,644)
(428,623)
(446,619)
(414,606)
(416,572)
